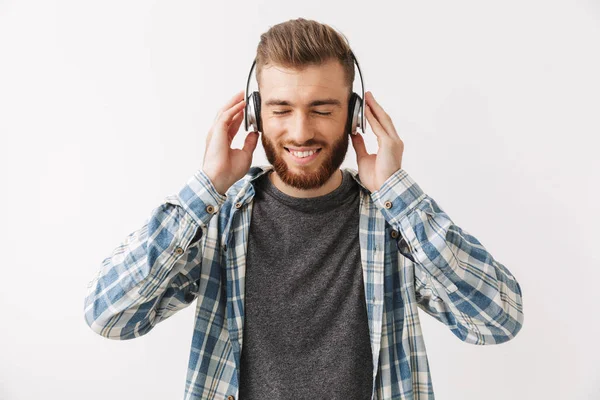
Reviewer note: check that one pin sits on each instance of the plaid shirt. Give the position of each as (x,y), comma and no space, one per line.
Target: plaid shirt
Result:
(413,256)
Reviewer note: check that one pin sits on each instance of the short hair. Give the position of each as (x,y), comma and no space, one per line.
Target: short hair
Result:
(298,43)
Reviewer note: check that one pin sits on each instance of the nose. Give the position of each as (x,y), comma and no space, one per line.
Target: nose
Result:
(301,130)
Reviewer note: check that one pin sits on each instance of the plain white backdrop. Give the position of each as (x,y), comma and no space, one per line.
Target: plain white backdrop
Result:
(104,110)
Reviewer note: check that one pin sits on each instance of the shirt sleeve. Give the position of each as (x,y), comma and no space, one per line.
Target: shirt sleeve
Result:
(457,281)
(154,272)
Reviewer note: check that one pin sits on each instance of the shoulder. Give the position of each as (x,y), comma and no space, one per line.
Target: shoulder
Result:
(239,189)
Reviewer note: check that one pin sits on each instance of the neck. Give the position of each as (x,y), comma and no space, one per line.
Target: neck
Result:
(334,181)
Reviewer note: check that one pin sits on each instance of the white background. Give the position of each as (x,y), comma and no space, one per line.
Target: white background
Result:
(104,110)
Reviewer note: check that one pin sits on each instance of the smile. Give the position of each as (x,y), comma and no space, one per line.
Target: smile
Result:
(303,157)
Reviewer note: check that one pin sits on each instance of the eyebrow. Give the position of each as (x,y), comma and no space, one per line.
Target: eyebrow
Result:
(315,103)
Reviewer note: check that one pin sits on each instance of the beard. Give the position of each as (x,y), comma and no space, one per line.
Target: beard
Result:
(311,176)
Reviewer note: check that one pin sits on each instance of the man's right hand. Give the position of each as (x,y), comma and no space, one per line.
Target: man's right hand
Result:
(223,165)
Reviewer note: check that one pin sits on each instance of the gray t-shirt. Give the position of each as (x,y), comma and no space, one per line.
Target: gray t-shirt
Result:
(306,332)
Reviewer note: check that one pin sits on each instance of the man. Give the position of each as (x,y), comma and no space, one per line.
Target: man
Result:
(308,277)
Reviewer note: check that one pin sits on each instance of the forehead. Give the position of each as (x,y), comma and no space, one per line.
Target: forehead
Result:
(326,80)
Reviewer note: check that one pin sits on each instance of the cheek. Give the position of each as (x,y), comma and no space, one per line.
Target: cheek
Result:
(326,131)
(274,128)
(274,122)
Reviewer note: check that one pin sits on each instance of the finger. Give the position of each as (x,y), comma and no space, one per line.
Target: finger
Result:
(235,124)
(227,116)
(222,125)
(250,142)
(375,125)
(358,142)
(382,117)
(227,122)
(237,117)
(233,101)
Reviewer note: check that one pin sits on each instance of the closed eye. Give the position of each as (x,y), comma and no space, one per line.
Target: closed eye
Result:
(285,112)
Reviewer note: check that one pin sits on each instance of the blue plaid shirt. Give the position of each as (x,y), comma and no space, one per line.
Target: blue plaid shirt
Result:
(413,256)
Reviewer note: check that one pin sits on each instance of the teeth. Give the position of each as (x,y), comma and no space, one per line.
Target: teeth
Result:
(302,154)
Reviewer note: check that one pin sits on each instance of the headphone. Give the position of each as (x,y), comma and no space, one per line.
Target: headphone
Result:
(356,110)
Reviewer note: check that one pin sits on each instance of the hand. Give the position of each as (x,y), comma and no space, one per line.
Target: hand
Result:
(222,164)
(375,169)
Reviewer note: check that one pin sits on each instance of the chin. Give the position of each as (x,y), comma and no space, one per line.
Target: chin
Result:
(314,174)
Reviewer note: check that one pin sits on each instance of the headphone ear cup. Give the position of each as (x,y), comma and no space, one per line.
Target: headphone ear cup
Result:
(256,99)
(252,113)
(249,113)
(353,113)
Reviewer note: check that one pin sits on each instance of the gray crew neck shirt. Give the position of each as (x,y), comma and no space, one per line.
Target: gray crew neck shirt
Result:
(306,333)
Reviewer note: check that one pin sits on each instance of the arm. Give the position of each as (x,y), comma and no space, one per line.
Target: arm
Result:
(457,281)
(155,271)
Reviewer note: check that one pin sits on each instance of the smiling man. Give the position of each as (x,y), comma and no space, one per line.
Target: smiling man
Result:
(308,277)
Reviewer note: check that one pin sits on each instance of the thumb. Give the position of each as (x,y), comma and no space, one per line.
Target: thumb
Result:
(359,146)
(250,142)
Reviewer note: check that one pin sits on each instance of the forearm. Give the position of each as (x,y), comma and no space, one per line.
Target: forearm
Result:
(456,270)
(130,292)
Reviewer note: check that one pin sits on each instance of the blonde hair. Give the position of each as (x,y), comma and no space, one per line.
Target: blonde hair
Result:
(298,43)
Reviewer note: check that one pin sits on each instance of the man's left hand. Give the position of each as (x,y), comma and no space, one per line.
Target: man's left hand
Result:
(375,169)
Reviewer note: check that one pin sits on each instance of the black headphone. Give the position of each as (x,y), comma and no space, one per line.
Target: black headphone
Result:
(356,111)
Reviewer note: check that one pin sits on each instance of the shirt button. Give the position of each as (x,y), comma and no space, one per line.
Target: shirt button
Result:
(394,234)
(189,297)
(388,204)
(179,250)
(238,205)
(210,209)
(230,397)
